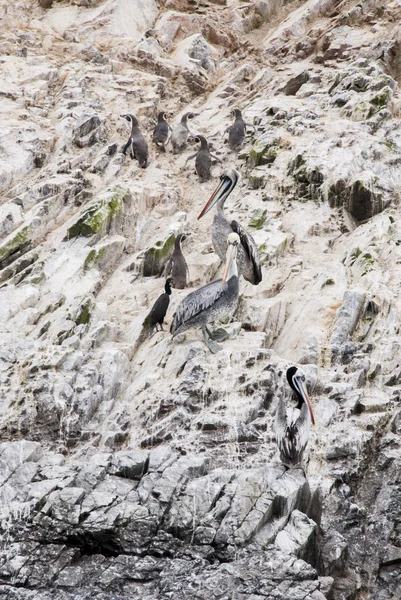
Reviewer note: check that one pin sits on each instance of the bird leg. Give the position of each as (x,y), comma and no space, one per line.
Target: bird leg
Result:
(210,343)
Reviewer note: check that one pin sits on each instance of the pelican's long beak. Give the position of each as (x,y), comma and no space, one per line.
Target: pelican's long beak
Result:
(231,255)
(303,391)
(217,194)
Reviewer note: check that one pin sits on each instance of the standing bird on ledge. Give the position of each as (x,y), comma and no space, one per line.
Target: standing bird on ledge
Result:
(237,131)
(203,160)
(159,309)
(211,302)
(180,133)
(136,142)
(293,422)
(248,254)
(161,132)
(177,266)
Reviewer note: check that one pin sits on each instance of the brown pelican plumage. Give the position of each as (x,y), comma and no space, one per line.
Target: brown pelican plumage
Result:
(248,256)
(293,422)
(177,266)
(212,302)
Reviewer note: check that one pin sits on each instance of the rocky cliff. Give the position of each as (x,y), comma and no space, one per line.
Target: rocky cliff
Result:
(137,467)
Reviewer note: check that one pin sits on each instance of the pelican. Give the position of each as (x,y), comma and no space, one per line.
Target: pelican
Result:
(211,302)
(293,423)
(248,255)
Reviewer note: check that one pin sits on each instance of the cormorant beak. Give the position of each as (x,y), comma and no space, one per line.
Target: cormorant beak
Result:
(302,390)
(221,189)
(231,255)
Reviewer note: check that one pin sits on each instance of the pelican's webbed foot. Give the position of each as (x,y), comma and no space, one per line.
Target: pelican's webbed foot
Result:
(210,343)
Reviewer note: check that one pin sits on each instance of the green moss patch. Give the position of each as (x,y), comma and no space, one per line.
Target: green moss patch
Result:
(100,213)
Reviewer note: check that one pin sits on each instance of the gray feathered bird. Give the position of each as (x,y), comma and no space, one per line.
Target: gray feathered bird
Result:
(212,302)
(248,254)
(136,142)
(177,267)
(203,159)
(161,132)
(180,133)
(237,131)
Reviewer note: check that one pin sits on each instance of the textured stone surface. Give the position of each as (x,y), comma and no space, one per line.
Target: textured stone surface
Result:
(144,467)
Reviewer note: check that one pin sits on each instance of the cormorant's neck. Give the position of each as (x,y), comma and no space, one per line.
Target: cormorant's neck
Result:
(167,288)
(177,243)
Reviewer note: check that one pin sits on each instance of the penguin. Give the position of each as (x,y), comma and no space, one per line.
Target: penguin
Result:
(159,309)
(180,133)
(237,131)
(177,266)
(203,160)
(161,132)
(136,142)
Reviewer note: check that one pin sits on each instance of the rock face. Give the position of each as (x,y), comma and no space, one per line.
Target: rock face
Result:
(137,466)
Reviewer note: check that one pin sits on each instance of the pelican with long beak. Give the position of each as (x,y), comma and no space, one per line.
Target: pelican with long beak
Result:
(248,255)
(293,422)
(212,302)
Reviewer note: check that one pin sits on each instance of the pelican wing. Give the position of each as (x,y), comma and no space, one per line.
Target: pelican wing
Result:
(249,245)
(196,302)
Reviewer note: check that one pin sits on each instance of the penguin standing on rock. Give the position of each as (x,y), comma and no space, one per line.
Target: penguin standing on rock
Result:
(177,266)
(237,131)
(180,133)
(203,160)
(159,309)
(136,143)
(161,132)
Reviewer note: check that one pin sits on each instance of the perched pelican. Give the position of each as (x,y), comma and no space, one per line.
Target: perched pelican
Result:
(203,159)
(159,309)
(161,132)
(136,142)
(293,423)
(237,131)
(248,255)
(211,302)
(177,266)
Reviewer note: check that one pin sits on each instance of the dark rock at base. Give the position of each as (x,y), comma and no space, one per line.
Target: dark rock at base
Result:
(295,83)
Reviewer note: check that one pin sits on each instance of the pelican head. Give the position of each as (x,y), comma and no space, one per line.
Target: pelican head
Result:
(228,181)
(296,379)
(233,241)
